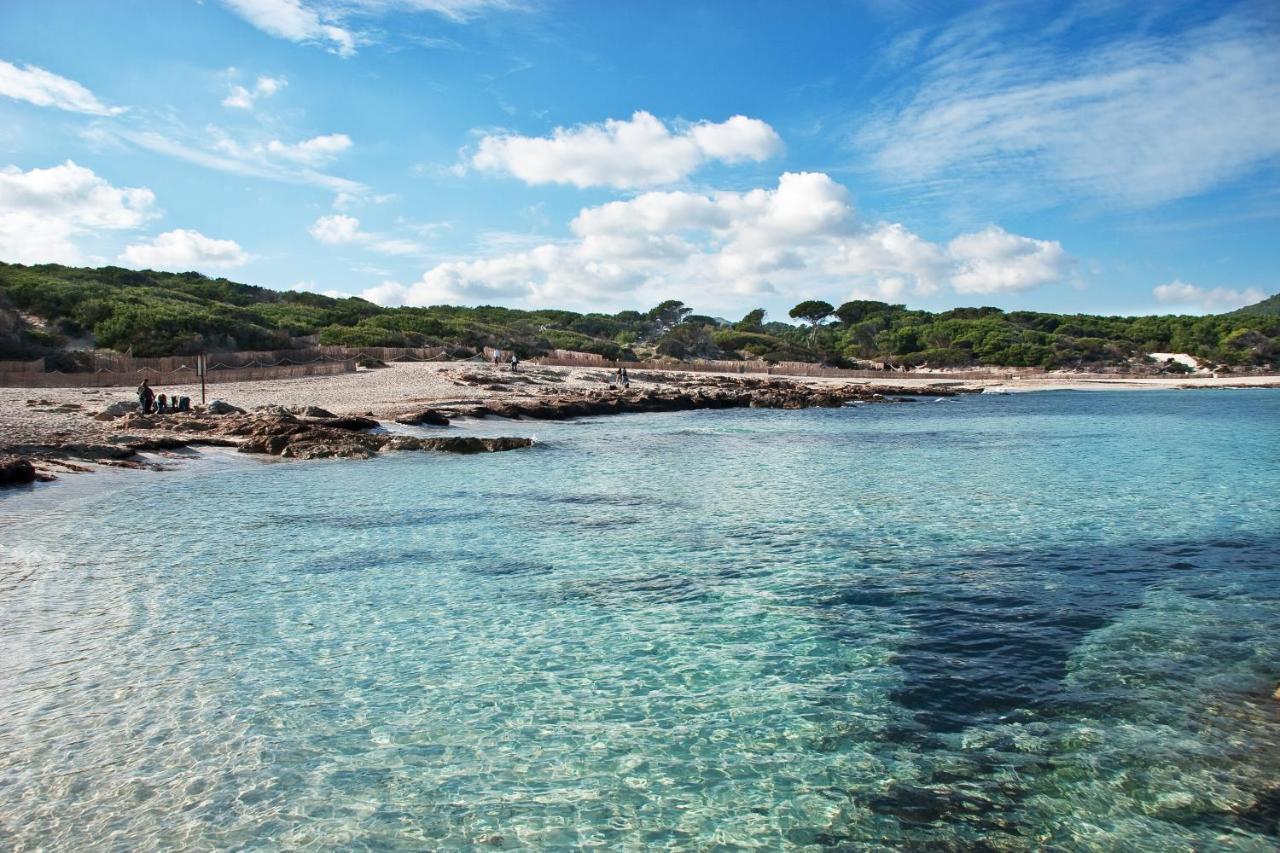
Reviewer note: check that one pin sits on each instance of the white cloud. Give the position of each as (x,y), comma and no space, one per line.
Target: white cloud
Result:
(339,229)
(1205,301)
(324,22)
(315,151)
(296,22)
(459,11)
(241,98)
(336,229)
(183,250)
(309,286)
(237,159)
(43,210)
(800,239)
(638,152)
(1136,120)
(46,89)
(389,293)
(995,261)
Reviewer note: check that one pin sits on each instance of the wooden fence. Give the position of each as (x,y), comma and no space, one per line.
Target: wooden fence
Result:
(36,366)
(121,363)
(159,378)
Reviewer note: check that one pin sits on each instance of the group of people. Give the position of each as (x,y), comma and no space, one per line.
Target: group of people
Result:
(149,403)
(620,378)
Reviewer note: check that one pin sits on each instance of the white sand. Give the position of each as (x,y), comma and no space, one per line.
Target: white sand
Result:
(398,388)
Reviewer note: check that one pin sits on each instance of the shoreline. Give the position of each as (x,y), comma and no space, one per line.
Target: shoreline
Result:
(63,431)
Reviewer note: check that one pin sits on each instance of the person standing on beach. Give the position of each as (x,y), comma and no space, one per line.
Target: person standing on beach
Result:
(145,397)
(515,362)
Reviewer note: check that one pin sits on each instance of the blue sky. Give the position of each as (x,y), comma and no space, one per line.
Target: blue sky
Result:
(1099,156)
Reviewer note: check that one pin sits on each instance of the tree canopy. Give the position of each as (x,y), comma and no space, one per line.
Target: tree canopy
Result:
(50,310)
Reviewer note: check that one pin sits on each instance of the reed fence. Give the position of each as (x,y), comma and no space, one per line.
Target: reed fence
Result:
(186,376)
(780,369)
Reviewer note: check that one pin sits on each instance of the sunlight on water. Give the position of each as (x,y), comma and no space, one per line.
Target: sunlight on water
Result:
(1010,623)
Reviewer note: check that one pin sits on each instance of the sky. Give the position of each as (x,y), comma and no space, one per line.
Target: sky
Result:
(1097,157)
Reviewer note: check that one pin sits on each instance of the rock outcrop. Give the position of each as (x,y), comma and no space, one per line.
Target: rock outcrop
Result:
(714,394)
(118,409)
(15,471)
(429,417)
(220,407)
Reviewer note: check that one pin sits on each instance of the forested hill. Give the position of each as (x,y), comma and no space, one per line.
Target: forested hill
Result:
(49,309)
(1270,305)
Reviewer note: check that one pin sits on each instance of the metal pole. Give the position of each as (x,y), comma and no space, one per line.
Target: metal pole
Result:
(203,364)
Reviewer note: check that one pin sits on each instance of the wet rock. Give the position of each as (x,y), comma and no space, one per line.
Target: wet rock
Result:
(218,407)
(426,416)
(272,445)
(15,471)
(458,444)
(91,452)
(328,450)
(352,423)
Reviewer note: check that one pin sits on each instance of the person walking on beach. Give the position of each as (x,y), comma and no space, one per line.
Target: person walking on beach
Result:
(145,397)
(515,362)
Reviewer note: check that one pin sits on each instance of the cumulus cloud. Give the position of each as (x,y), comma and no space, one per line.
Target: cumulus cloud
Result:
(43,210)
(336,229)
(339,229)
(184,249)
(295,21)
(1205,301)
(639,152)
(46,89)
(800,238)
(1134,119)
(995,261)
(241,98)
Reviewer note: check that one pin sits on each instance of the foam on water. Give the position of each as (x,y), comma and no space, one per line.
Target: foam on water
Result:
(1011,623)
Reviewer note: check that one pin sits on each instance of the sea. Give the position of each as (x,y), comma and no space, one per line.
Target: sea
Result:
(1043,621)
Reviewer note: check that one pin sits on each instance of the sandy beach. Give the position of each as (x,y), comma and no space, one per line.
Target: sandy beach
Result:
(41,415)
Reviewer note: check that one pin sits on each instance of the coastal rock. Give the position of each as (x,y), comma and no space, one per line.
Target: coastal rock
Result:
(426,416)
(351,423)
(16,472)
(118,409)
(218,407)
(458,443)
(328,450)
(272,445)
(311,412)
(136,421)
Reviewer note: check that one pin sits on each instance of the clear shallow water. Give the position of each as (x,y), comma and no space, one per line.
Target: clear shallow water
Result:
(1048,620)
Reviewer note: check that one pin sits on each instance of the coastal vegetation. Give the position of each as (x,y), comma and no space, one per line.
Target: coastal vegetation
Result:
(51,310)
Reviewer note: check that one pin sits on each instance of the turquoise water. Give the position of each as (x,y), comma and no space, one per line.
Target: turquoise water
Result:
(1010,623)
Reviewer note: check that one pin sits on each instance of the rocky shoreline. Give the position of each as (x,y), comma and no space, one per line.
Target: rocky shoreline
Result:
(309,432)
